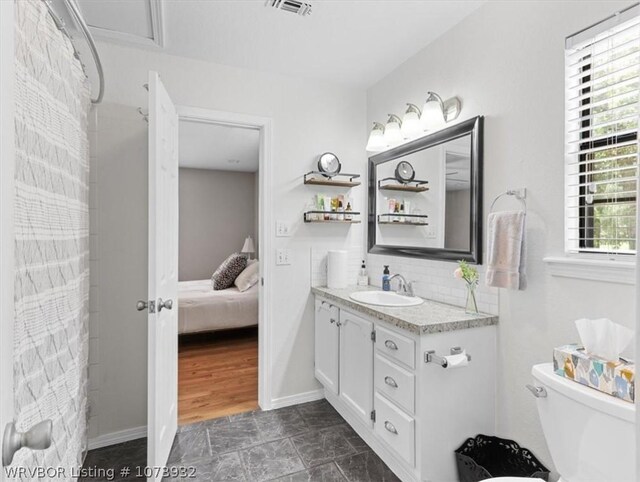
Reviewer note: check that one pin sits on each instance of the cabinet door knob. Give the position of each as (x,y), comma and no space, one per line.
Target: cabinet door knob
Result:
(390,345)
(391,382)
(390,427)
(332,320)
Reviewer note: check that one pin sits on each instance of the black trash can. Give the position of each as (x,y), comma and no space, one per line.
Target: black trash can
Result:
(485,456)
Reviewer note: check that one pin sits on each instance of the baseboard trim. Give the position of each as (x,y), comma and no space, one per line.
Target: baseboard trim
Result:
(297,399)
(114,438)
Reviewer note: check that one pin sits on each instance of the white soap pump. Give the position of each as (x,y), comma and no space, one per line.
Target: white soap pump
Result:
(363,278)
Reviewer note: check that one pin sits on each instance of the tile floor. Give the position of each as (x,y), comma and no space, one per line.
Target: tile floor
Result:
(308,442)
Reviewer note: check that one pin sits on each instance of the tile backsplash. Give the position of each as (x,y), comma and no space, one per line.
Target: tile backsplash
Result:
(433,280)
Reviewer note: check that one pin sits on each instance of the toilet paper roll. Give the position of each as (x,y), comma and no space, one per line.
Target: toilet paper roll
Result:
(337,269)
(457,361)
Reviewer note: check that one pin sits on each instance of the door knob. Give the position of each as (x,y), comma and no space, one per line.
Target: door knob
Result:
(37,437)
(142,305)
(168,304)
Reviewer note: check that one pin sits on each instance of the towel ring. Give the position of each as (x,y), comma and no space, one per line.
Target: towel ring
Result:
(519,194)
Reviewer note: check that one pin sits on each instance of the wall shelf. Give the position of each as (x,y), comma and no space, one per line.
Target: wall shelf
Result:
(319,179)
(307,219)
(413,186)
(416,219)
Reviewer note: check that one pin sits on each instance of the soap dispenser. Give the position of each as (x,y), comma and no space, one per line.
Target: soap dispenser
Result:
(386,279)
(363,278)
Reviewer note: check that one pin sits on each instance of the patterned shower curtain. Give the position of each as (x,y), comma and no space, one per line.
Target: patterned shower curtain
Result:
(52,238)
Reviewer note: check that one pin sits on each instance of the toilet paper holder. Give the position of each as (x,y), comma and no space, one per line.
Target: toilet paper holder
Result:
(431,357)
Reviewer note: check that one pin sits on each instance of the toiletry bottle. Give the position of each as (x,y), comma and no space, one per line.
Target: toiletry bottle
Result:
(347,213)
(386,283)
(327,207)
(396,212)
(402,211)
(340,211)
(363,278)
(391,204)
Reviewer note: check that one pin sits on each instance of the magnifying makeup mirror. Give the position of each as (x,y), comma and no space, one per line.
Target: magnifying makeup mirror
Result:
(405,172)
(329,164)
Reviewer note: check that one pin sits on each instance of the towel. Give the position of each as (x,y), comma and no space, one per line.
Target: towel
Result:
(506,247)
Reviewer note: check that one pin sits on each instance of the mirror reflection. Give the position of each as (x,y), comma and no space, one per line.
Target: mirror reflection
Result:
(424,198)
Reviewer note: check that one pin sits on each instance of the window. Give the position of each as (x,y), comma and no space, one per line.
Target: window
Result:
(602,72)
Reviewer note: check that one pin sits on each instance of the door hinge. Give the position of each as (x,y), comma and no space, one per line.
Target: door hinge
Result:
(373,415)
(373,335)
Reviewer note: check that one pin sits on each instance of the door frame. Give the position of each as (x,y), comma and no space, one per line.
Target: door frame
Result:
(265,214)
(7,201)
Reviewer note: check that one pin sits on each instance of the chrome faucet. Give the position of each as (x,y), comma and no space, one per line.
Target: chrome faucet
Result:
(404,286)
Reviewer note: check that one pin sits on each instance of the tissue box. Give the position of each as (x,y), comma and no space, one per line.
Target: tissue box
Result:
(616,378)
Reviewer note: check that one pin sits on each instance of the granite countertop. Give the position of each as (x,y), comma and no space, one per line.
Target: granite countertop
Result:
(429,317)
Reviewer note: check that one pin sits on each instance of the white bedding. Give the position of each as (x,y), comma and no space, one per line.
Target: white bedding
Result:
(200,308)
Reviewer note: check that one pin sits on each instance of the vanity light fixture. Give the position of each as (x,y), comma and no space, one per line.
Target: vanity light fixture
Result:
(411,126)
(376,138)
(436,112)
(392,133)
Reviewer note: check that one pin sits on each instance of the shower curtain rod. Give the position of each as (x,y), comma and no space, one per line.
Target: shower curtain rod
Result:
(73,10)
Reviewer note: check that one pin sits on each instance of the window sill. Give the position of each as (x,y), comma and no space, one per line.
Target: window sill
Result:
(611,271)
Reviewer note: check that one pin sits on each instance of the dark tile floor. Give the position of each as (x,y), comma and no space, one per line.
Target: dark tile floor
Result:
(308,442)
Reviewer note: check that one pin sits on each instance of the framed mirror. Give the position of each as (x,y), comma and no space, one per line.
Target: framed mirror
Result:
(425,197)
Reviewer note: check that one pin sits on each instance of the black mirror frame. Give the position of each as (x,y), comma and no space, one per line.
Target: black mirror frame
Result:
(475,128)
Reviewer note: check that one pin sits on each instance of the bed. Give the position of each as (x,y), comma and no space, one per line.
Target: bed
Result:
(200,308)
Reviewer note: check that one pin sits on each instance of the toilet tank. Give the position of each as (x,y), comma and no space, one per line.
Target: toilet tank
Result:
(590,435)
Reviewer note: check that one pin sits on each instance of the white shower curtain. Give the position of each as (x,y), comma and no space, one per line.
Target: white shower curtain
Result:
(52,238)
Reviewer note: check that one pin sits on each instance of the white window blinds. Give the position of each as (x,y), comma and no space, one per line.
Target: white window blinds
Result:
(602,72)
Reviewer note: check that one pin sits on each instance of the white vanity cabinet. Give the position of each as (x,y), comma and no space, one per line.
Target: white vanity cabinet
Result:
(327,333)
(356,369)
(413,414)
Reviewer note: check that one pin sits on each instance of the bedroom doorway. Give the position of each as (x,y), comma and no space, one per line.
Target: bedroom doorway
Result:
(221,294)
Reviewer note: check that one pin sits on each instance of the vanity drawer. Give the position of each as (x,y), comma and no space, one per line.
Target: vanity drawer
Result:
(396,428)
(395,382)
(396,346)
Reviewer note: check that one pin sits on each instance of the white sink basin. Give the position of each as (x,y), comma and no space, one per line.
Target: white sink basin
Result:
(385,298)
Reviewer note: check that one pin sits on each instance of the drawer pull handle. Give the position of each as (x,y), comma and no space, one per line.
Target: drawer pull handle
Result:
(391,382)
(391,345)
(389,426)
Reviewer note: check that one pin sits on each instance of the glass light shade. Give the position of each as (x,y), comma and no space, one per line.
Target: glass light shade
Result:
(392,133)
(411,126)
(376,139)
(432,115)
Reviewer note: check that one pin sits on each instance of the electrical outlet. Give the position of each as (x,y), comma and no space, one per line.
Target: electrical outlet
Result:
(283,257)
(283,229)
(430,233)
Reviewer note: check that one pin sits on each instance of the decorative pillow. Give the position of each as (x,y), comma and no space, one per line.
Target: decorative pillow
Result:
(248,277)
(228,271)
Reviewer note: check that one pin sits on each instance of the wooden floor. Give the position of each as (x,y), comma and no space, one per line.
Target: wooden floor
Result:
(217,374)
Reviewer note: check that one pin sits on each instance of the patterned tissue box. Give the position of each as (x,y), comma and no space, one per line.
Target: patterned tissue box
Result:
(616,378)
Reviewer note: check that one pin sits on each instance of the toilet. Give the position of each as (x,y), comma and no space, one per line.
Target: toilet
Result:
(590,435)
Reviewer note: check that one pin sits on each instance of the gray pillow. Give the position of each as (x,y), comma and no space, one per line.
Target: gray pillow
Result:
(228,271)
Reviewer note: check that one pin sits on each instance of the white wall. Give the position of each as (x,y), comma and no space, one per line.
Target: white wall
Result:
(217,212)
(506,62)
(309,118)
(118,333)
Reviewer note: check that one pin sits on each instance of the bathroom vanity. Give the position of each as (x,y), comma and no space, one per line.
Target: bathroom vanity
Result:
(382,370)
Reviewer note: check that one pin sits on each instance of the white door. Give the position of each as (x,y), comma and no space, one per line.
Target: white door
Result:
(162,391)
(356,364)
(326,346)
(7,195)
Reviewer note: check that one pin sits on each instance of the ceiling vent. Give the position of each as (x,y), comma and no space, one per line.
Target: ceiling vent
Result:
(294,6)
